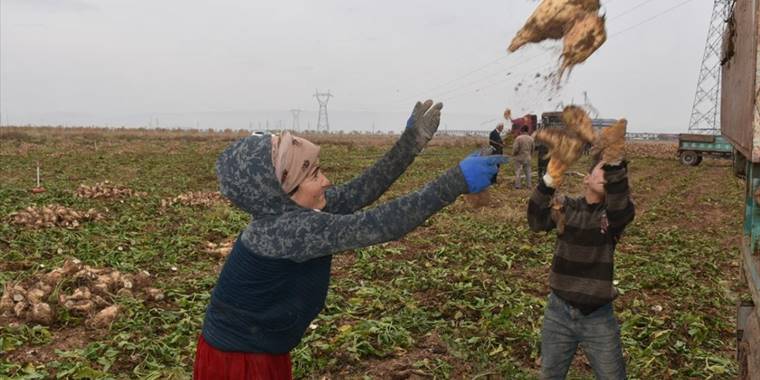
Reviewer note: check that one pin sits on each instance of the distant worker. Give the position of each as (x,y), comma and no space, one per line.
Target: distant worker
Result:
(497,145)
(494,139)
(543,161)
(522,151)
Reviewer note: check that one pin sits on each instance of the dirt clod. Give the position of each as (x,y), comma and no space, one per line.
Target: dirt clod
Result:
(41,313)
(478,200)
(220,250)
(105,317)
(155,294)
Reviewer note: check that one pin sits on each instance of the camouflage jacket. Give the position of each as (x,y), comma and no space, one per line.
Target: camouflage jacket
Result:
(275,280)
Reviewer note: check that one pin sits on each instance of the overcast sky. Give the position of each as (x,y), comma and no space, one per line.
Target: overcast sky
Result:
(112,62)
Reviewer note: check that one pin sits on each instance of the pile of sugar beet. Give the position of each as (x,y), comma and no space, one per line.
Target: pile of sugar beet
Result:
(77,289)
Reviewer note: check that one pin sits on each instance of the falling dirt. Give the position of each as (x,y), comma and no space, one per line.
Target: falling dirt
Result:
(478,200)
(577,22)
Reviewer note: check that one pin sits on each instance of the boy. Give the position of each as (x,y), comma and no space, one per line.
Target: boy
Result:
(579,310)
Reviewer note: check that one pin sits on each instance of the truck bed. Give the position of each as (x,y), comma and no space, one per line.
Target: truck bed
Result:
(704,143)
(740,95)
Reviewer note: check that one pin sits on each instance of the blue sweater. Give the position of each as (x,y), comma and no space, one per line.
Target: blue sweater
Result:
(275,281)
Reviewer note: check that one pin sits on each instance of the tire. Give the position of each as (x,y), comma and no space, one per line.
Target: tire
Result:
(689,158)
(739,164)
(699,160)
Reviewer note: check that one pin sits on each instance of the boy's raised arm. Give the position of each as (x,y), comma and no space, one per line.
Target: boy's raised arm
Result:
(539,208)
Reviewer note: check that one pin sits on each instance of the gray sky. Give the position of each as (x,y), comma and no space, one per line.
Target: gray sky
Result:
(231,64)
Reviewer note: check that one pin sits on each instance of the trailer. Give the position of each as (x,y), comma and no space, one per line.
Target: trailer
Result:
(554,120)
(740,125)
(529,120)
(692,147)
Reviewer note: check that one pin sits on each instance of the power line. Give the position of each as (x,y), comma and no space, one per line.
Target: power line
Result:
(489,76)
(511,75)
(501,71)
(629,10)
(480,68)
(539,55)
(653,17)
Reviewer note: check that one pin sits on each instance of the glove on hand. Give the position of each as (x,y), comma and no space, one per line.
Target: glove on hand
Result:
(611,143)
(423,122)
(555,172)
(565,145)
(478,170)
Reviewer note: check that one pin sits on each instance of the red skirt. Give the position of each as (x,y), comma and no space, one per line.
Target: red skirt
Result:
(212,364)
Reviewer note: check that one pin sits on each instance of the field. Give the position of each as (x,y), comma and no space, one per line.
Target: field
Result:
(460,297)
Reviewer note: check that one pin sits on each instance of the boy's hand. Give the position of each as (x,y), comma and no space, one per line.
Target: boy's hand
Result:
(555,173)
(565,145)
(611,143)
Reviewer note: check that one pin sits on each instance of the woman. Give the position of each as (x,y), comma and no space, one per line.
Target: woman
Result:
(275,280)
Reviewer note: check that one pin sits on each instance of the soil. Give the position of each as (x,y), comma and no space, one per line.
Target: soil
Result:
(411,363)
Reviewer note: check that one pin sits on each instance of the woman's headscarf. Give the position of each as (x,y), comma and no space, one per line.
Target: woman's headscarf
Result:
(294,159)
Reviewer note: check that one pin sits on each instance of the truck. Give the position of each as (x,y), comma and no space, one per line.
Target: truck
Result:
(554,120)
(740,125)
(531,121)
(692,147)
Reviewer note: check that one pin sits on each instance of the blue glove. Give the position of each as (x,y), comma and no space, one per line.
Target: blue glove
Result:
(478,170)
(410,122)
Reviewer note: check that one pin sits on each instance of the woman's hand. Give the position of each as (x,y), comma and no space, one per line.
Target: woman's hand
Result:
(478,170)
(424,122)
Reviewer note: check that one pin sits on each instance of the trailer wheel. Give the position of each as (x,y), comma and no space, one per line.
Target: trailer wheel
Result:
(689,158)
(699,160)
(740,165)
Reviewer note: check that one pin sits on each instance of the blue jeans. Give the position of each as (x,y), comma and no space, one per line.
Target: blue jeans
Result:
(598,333)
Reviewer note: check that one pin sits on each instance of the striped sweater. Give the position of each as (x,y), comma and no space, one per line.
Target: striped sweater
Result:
(583,264)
